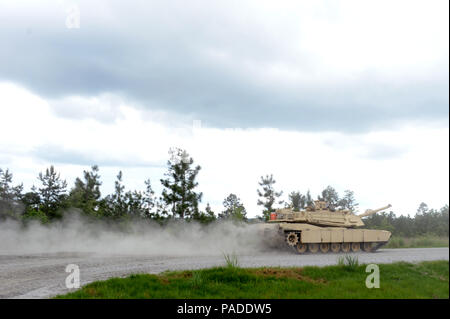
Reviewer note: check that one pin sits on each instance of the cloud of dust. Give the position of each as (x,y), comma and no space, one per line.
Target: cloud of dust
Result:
(75,233)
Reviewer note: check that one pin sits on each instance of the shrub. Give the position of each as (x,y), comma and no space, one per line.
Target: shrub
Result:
(348,262)
(231,260)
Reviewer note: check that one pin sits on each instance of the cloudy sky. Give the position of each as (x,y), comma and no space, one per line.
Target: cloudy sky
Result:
(352,94)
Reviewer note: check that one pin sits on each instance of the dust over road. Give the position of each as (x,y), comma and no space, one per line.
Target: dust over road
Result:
(43,275)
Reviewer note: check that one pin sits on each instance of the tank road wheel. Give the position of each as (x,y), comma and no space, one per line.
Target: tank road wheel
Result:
(356,247)
(378,245)
(292,239)
(313,247)
(301,248)
(324,247)
(345,247)
(335,247)
(368,247)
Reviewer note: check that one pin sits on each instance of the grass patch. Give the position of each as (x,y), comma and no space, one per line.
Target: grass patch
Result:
(231,260)
(197,279)
(348,262)
(417,242)
(398,280)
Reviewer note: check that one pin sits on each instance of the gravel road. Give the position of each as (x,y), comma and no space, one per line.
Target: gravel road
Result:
(43,275)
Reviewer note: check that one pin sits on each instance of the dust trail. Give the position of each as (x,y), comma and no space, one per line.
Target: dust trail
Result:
(78,234)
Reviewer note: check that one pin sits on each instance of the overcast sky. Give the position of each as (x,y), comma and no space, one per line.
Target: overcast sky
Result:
(352,94)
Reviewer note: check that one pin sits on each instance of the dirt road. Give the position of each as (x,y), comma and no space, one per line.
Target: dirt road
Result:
(43,275)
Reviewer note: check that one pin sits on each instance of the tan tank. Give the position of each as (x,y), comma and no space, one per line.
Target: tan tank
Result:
(323,229)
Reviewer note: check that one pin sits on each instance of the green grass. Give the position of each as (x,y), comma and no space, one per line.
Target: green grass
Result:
(417,242)
(231,260)
(348,262)
(398,280)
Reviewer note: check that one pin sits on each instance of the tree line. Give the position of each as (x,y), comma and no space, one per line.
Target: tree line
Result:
(298,201)
(426,221)
(179,200)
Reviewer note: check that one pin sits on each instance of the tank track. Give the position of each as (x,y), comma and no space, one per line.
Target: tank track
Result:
(316,248)
(313,248)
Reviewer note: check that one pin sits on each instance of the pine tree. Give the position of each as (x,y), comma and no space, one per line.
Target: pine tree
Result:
(178,195)
(330,196)
(52,193)
(209,211)
(141,204)
(10,196)
(268,194)
(115,205)
(297,201)
(133,204)
(308,199)
(348,201)
(205,217)
(148,202)
(233,208)
(32,202)
(86,194)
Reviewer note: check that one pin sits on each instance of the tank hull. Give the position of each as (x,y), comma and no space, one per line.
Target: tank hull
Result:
(306,237)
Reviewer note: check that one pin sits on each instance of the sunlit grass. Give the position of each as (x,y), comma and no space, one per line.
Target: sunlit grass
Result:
(347,280)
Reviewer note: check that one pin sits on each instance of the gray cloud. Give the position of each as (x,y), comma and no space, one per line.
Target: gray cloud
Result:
(369,150)
(60,155)
(204,61)
(103,109)
(385,152)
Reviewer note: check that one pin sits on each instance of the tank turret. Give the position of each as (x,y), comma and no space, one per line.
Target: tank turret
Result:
(369,212)
(322,215)
(321,227)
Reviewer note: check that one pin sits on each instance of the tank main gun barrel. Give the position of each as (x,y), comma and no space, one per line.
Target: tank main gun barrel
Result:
(369,212)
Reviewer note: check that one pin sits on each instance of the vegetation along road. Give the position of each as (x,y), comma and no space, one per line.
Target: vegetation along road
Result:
(43,275)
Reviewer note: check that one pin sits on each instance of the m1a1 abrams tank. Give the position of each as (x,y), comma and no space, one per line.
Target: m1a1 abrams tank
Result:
(322,229)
